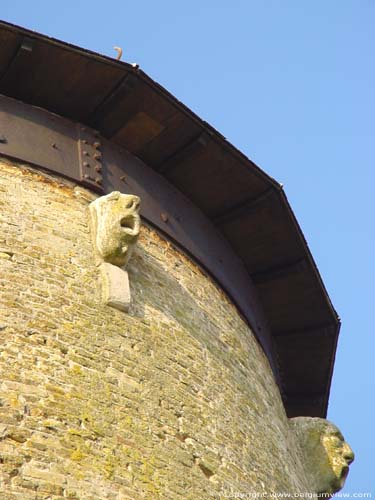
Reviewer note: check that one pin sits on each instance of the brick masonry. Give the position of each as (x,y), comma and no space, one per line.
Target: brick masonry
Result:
(173,400)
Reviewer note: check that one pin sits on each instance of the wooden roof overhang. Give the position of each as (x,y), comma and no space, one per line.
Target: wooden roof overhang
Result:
(199,190)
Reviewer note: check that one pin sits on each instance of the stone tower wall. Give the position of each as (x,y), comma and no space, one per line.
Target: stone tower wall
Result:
(173,400)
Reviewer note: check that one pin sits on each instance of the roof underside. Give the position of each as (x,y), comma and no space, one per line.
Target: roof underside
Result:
(245,204)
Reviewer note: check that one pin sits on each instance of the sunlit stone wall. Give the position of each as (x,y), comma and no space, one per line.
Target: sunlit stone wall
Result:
(173,400)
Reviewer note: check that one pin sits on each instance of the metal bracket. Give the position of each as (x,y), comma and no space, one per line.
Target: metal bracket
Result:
(90,157)
(27,44)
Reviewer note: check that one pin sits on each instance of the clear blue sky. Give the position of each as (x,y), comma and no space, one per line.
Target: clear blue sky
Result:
(291,83)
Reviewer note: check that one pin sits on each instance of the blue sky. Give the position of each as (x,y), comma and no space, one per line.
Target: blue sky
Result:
(290,83)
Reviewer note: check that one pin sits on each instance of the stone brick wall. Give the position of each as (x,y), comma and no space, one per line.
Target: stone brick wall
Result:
(174,400)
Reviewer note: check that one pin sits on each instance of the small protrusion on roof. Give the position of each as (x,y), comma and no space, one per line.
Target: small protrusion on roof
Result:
(119,52)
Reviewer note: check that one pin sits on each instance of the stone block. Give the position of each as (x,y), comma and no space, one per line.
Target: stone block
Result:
(115,287)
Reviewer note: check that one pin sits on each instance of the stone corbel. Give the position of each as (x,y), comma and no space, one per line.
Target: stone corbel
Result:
(115,225)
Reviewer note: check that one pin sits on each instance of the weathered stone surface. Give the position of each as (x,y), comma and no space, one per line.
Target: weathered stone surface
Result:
(173,401)
(115,286)
(326,454)
(115,225)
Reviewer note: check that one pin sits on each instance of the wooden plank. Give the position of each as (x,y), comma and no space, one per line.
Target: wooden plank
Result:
(304,363)
(328,329)
(215,178)
(238,210)
(292,302)
(281,271)
(139,131)
(302,404)
(257,229)
(188,152)
(178,131)
(132,97)
(108,116)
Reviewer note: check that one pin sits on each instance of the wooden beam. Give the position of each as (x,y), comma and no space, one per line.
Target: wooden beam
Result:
(280,271)
(196,146)
(109,104)
(303,404)
(326,329)
(302,398)
(243,208)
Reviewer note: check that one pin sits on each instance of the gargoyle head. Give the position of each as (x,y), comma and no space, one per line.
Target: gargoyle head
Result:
(115,223)
(327,455)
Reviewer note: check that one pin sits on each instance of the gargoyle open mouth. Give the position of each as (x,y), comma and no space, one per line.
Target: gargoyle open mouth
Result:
(131,224)
(344,472)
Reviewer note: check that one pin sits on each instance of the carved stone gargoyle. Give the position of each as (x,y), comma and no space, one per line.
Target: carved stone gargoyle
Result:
(115,225)
(326,454)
